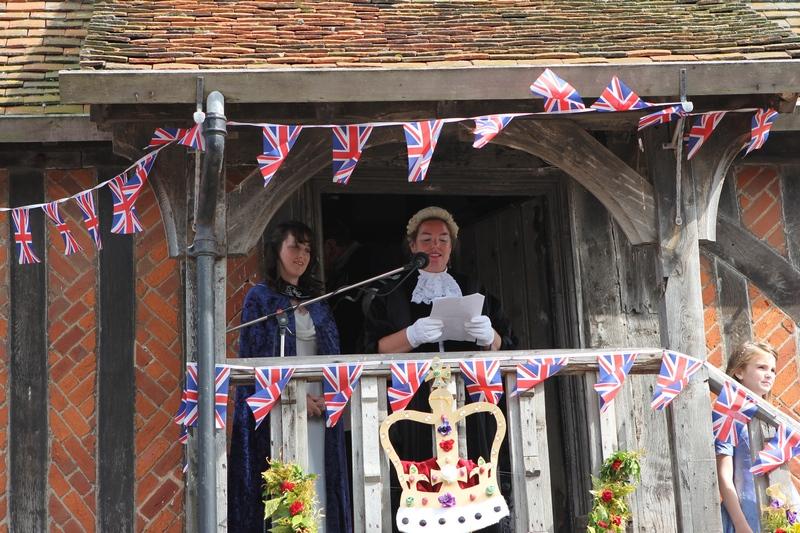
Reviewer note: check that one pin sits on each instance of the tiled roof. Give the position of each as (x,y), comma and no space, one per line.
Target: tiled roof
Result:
(168,34)
(37,39)
(785,14)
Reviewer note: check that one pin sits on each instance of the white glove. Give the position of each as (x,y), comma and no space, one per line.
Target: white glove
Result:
(480,327)
(424,330)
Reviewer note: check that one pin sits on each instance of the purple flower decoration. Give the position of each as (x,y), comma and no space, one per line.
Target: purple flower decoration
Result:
(791,516)
(447,500)
(445,428)
(775,504)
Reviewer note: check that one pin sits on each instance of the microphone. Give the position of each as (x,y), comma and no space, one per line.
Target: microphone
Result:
(419,260)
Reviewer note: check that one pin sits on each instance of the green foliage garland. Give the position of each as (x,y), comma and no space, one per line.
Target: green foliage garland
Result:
(289,498)
(619,475)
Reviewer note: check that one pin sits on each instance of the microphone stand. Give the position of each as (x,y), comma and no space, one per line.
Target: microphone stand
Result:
(418,261)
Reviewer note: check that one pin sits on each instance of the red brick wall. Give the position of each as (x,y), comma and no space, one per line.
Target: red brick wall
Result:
(72,362)
(4,259)
(159,477)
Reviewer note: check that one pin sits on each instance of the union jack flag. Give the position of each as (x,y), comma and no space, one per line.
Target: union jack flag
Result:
(126,193)
(340,380)
(731,413)
(701,130)
(482,378)
(165,136)
(618,97)
(759,129)
(183,438)
(190,396)
(662,116)
(222,377)
(348,142)
(194,138)
(407,376)
(558,94)
(86,203)
(676,370)
(180,416)
(23,236)
(421,139)
(278,140)
(70,244)
(612,369)
(778,451)
(534,371)
(270,383)
(487,128)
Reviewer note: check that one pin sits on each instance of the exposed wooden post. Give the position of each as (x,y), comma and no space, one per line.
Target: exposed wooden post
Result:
(294,421)
(367,457)
(386,496)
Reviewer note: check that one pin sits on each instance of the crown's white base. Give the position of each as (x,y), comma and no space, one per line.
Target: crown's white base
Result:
(452,519)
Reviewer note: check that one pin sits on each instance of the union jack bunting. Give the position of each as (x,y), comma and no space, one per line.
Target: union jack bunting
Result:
(407,376)
(190,395)
(278,140)
(164,136)
(778,451)
(23,237)
(731,413)
(487,128)
(618,97)
(181,414)
(701,130)
(348,142)
(421,139)
(676,370)
(662,116)
(194,138)
(222,378)
(183,438)
(760,126)
(70,244)
(558,95)
(534,371)
(337,387)
(270,383)
(612,369)
(86,203)
(482,378)
(126,193)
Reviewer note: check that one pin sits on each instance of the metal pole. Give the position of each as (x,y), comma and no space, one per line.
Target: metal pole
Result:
(205,249)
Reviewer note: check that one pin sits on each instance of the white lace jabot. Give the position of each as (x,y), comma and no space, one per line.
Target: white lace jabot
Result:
(432,285)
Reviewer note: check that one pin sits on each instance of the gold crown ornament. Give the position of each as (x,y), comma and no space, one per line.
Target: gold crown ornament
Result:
(448,492)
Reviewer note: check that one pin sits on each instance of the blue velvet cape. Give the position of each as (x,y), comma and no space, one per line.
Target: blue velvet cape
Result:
(250,447)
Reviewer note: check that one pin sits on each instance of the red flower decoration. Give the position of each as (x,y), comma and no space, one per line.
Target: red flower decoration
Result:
(296,507)
(446,445)
(286,486)
(780,530)
(617,520)
(602,524)
(616,465)
(607,495)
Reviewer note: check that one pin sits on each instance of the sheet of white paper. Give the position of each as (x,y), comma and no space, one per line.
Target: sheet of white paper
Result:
(454,311)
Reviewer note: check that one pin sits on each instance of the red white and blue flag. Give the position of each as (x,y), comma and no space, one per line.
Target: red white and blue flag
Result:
(164,136)
(126,193)
(337,387)
(70,244)
(534,371)
(778,451)
(348,143)
(180,416)
(559,96)
(701,130)
(23,237)
(619,97)
(483,380)
(183,438)
(731,413)
(662,116)
(190,396)
(421,139)
(278,140)
(676,370)
(193,138)
(760,126)
(86,203)
(612,369)
(222,378)
(407,376)
(487,128)
(270,382)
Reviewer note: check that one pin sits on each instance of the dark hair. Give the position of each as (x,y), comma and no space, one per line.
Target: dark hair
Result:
(309,282)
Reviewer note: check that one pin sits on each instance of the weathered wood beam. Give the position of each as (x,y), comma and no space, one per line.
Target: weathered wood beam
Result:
(758,262)
(37,129)
(624,192)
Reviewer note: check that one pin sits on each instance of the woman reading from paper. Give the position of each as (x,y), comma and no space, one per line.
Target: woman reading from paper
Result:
(290,268)
(400,322)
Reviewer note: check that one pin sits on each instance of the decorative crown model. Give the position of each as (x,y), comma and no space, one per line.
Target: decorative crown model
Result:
(448,492)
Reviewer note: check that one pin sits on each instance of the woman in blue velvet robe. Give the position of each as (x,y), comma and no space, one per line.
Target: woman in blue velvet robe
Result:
(289,255)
